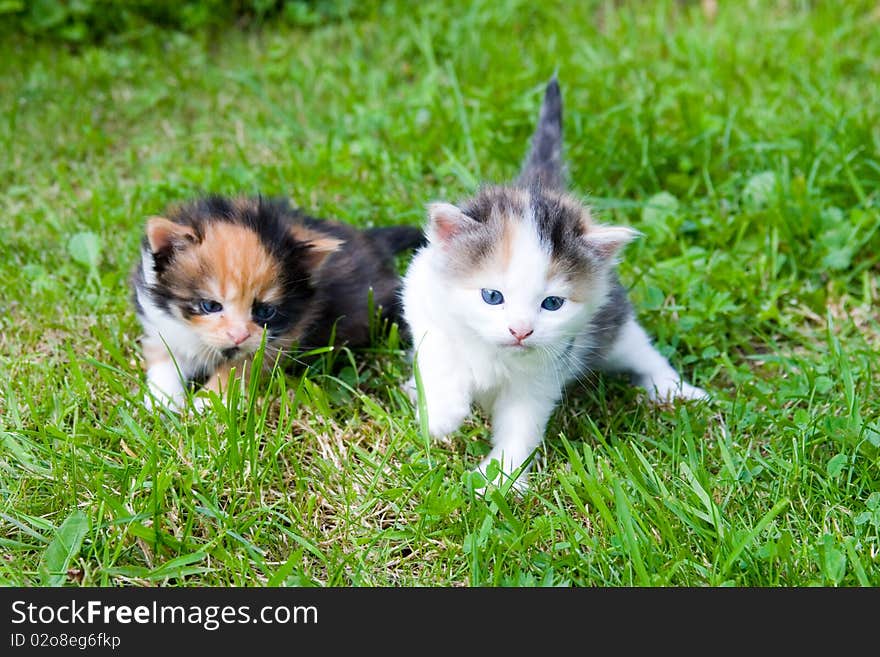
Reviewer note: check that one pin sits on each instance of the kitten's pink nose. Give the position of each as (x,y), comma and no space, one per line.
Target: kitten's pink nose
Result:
(520,333)
(238,335)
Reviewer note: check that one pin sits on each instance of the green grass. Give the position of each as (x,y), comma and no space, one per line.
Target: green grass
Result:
(744,147)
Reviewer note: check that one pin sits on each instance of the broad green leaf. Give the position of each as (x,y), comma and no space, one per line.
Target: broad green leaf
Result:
(85,249)
(836,464)
(823,384)
(63,549)
(834,562)
(659,214)
(759,190)
(659,208)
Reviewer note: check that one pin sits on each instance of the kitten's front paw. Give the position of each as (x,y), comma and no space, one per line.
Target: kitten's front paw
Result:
(156,399)
(411,391)
(687,391)
(445,414)
(499,475)
(165,390)
(201,403)
(666,391)
(443,420)
(441,423)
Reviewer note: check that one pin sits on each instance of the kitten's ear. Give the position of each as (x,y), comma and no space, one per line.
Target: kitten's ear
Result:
(319,246)
(606,242)
(319,250)
(445,222)
(162,234)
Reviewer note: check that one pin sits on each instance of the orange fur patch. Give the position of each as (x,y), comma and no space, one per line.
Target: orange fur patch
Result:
(231,266)
(508,235)
(239,263)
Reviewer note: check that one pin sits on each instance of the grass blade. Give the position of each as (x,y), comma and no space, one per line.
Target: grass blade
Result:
(627,533)
(762,523)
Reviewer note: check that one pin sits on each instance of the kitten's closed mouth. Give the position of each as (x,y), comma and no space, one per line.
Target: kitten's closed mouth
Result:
(230,352)
(518,346)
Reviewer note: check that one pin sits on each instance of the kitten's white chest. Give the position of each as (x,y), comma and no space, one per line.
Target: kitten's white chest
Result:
(491,370)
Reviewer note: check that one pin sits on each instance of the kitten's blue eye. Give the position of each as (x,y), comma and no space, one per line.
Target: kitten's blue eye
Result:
(552,303)
(263,312)
(492,297)
(209,306)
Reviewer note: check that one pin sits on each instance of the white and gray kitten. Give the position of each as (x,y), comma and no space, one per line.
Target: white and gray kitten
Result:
(515,296)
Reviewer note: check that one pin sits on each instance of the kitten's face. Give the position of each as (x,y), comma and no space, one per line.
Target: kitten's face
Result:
(518,299)
(525,273)
(227,282)
(227,287)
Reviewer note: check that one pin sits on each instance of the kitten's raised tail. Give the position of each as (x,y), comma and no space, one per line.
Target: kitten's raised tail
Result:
(543,166)
(398,238)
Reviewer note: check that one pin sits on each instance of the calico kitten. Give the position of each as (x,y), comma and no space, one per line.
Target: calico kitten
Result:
(218,272)
(515,296)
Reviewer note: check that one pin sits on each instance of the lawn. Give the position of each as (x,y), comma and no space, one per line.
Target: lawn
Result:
(743,144)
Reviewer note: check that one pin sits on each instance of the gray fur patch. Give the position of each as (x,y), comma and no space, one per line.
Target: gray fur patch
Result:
(607,322)
(543,167)
(490,209)
(559,219)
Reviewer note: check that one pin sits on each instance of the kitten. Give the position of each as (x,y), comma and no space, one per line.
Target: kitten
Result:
(219,272)
(515,296)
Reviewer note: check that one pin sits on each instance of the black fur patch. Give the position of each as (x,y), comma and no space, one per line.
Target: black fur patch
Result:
(559,219)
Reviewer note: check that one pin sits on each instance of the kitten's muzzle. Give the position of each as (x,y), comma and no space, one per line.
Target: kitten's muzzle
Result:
(520,333)
(238,334)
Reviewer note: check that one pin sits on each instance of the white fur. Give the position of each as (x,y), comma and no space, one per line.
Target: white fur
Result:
(165,386)
(463,353)
(188,352)
(464,347)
